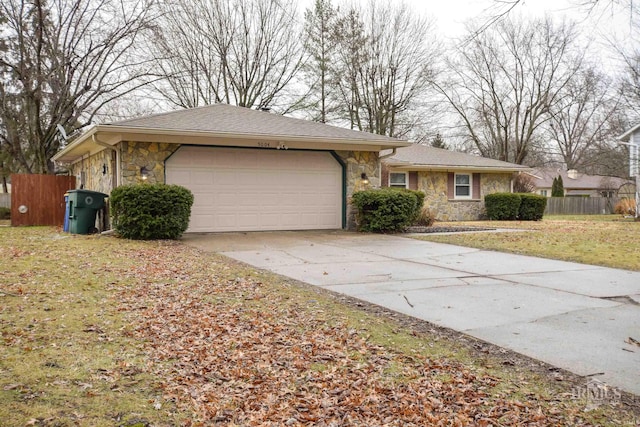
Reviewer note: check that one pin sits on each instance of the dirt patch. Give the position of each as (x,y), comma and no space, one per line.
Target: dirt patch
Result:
(417,229)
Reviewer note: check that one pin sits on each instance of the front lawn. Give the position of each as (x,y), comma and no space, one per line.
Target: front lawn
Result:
(100,331)
(607,240)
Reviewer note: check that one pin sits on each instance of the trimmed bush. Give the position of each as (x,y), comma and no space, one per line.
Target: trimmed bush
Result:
(387,209)
(512,206)
(532,207)
(5,213)
(151,211)
(502,206)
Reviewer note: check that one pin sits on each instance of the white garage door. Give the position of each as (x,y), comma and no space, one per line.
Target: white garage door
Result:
(238,189)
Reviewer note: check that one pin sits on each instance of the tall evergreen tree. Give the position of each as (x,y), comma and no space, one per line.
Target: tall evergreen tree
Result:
(438,142)
(320,46)
(557,188)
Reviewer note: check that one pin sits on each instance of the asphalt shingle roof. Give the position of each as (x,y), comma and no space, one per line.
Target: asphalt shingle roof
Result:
(224,118)
(427,156)
(544,179)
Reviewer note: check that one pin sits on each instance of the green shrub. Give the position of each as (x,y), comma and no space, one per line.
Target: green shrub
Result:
(502,206)
(151,211)
(5,213)
(532,207)
(387,209)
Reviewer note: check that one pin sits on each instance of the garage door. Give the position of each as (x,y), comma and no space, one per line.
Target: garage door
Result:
(238,189)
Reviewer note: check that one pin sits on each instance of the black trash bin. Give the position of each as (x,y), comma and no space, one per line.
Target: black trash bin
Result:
(83,206)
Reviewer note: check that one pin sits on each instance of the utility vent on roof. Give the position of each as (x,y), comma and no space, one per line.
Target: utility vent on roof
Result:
(572,174)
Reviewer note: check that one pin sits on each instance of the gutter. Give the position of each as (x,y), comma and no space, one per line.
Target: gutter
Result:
(386,141)
(95,139)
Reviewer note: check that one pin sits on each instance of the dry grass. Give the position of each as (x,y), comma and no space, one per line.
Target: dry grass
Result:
(66,357)
(606,240)
(75,352)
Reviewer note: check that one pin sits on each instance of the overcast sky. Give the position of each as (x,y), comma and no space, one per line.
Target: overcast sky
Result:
(605,27)
(603,24)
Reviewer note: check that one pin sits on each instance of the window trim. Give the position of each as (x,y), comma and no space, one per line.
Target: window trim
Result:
(406,180)
(455,186)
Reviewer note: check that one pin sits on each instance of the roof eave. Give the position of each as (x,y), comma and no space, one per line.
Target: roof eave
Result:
(626,136)
(64,154)
(271,137)
(112,134)
(436,167)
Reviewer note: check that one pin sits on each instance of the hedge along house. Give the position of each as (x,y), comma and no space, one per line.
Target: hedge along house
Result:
(454,183)
(249,170)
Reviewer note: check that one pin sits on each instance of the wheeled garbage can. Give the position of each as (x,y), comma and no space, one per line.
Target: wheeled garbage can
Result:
(83,206)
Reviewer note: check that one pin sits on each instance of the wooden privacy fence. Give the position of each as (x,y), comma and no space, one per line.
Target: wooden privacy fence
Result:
(5,200)
(580,205)
(39,199)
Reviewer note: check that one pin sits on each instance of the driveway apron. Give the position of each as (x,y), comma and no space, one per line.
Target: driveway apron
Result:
(573,316)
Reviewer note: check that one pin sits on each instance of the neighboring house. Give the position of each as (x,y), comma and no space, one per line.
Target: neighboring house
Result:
(632,139)
(455,183)
(578,184)
(248,170)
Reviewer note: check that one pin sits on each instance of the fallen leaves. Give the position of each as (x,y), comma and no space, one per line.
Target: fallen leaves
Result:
(632,341)
(224,345)
(239,353)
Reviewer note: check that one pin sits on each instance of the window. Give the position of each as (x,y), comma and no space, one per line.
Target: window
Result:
(463,186)
(543,193)
(398,179)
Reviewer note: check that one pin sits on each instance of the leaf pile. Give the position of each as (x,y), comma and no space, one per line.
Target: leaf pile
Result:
(240,351)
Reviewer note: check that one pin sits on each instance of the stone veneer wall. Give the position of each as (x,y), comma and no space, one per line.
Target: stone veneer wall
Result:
(135,155)
(92,169)
(356,163)
(434,184)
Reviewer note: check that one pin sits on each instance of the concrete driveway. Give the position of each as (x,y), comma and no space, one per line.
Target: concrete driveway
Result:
(573,316)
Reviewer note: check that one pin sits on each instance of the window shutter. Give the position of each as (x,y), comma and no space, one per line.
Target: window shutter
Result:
(451,180)
(475,191)
(413,180)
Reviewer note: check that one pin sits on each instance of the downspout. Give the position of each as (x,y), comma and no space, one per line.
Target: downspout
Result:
(392,153)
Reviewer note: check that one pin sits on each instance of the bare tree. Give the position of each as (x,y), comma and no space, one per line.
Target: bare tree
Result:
(385,63)
(60,63)
(581,119)
(241,52)
(504,82)
(523,183)
(502,8)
